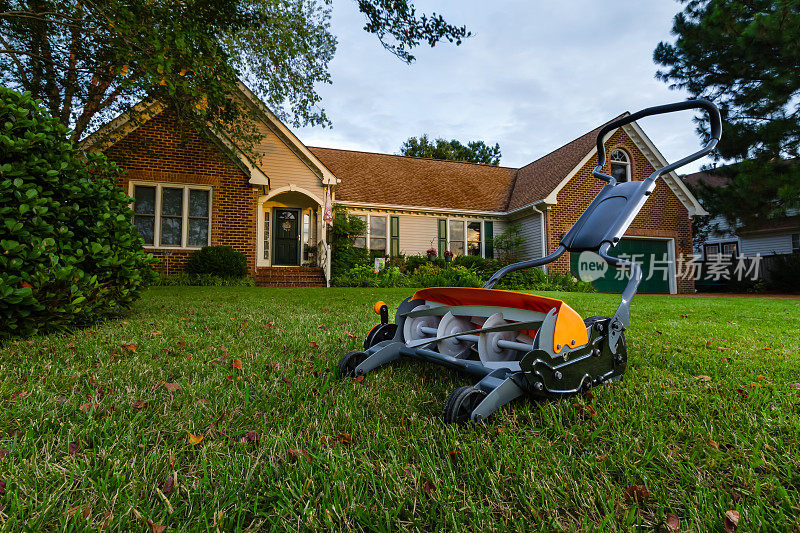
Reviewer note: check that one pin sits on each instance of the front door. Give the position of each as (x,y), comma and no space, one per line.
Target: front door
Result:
(287,237)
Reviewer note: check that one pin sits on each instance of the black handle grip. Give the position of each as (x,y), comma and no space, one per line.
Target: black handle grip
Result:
(709,107)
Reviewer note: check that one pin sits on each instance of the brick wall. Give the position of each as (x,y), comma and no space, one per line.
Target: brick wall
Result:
(663,215)
(163,150)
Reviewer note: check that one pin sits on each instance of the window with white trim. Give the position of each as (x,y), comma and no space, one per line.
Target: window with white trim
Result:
(711,251)
(620,165)
(361,240)
(377,233)
(456,234)
(474,238)
(172,216)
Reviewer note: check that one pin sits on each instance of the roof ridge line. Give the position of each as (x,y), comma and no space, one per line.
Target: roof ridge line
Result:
(413,157)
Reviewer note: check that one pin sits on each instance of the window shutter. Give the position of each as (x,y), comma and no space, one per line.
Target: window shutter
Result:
(488,247)
(442,236)
(394,232)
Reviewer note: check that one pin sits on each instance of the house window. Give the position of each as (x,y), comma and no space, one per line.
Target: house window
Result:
(175,216)
(377,234)
(730,249)
(361,240)
(457,237)
(474,238)
(266,233)
(796,242)
(620,165)
(711,251)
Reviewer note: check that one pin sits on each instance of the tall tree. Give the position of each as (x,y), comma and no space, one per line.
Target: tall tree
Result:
(744,56)
(88,60)
(472,152)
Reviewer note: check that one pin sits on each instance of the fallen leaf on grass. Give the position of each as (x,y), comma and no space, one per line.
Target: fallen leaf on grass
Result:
(586,408)
(731,520)
(454,456)
(295,455)
(741,392)
(73,449)
(713,444)
(672,522)
(359,379)
(88,406)
(722,348)
(637,493)
(172,387)
(229,377)
(429,488)
(169,485)
(350,334)
(237,364)
(321,326)
(128,347)
(251,436)
(155,334)
(139,405)
(343,438)
(194,439)
(313,344)
(703,377)
(156,528)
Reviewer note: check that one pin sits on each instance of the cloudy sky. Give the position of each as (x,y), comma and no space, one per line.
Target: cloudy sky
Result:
(535,75)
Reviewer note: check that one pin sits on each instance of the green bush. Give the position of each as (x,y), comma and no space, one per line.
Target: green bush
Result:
(483,267)
(344,255)
(185,279)
(784,273)
(413,262)
(69,254)
(434,276)
(365,276)
(222,261)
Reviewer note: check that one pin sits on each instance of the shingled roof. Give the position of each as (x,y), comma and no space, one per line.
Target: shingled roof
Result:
(385,179)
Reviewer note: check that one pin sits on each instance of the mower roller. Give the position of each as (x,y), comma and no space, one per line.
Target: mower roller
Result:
(521,343)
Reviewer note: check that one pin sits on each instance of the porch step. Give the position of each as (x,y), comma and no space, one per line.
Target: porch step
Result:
(290,277)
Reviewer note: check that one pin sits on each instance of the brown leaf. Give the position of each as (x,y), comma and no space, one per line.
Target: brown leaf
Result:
(429,488)
(139,405)
(731,520)
(172,387)
(73,449)
(237,364)
(169,485)
(358,379)
(229,377)
(672,522)
(86,512)
(324,441)
(703,377)
(88,406)
(251,436)
(343,438)
(713,444)
(294,455)
(350,334)
(181,345)
(156,528)
(128,347)
(636,493)
(194,439)
(155,334)
(321,326)
(313,344)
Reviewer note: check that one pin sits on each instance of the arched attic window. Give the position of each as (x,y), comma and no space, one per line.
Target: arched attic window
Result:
(620,165)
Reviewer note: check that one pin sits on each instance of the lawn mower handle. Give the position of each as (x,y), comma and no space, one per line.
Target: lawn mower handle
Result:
(716,133)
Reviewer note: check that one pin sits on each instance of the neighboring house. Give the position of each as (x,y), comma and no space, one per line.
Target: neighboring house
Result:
(776,237)
(191,192)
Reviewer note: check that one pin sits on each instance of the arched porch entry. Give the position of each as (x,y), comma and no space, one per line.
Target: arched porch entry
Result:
(291,234)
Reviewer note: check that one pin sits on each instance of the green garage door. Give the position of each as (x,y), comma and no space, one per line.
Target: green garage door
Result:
(647,253)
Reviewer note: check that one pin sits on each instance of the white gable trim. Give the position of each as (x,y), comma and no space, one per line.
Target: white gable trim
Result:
(654,156)
(288,138)
(111,132)
(292,188)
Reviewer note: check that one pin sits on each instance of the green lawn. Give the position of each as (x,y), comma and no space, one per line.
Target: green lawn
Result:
(706,419)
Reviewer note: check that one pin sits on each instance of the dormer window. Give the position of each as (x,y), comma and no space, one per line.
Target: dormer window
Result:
(620,165)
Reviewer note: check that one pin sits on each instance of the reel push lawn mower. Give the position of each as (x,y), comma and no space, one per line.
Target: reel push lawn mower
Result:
(521,343)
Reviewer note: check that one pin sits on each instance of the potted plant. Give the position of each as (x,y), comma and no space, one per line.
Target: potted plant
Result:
(431,253)
(448,255)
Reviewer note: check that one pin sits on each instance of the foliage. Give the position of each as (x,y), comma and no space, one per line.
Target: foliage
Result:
(221,261)
(784,274)
(91,61)
(472,152)
(184,279)
(484,267)
(344,255)
(508,245)
(70,254)
(743,55)
(434,276)
(365,276)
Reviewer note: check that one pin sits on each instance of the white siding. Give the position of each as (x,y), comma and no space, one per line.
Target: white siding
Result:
(766,245)
(417,233)
(532,233)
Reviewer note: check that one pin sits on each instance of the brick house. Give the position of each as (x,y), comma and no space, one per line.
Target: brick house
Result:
(192,190)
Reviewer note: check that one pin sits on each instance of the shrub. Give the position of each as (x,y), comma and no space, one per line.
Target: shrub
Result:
(508,245)
(365,276)
(222,261)
(784,273)
(344,255)
(69,254)
(413,262)
(483,267)
(435,276)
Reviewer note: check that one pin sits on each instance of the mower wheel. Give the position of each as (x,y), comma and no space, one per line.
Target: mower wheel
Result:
(380,333)
(347,365)
(460,404)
